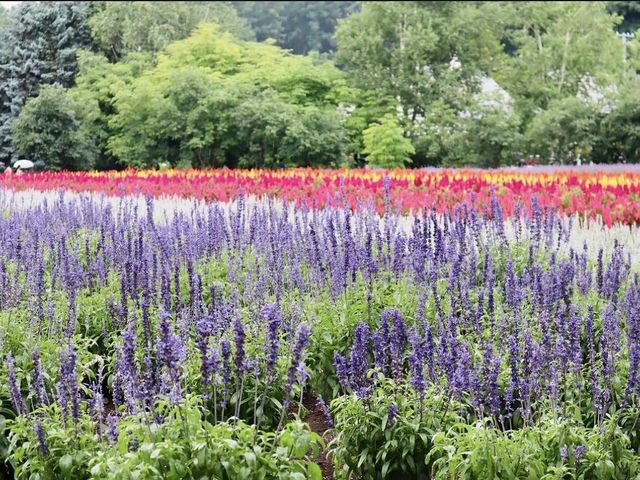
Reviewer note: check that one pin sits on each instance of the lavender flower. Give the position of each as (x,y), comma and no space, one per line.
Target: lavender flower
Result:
(169,345)
(342,371)
(578,453)
(38,381)
(240,363)
(14,387)
(326,413)
(97,403)
(210,364)
(392,414)
(359,358)
(416,363)
(490,372)
(112,428)
(225,347)
(397,342)
(381,339)
(302,341)
(70,377)
(274,317)
(42,440)
(564,454)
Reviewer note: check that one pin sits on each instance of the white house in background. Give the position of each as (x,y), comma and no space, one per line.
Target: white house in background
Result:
(603,97)
(493,95)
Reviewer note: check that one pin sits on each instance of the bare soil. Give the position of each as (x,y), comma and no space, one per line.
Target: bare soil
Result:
(319,423)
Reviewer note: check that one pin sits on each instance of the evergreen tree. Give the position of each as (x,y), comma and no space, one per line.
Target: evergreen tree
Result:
(3,17)
(298,26)
(41,42)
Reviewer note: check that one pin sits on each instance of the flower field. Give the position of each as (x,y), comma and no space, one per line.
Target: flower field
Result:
(191,325)
(611,193)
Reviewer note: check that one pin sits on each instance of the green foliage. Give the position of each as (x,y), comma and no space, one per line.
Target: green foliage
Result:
(97,83)
(555,51)
(301,27)
(49,129)
(554,449)
(373,445)
(566,128)
(270,132)
(183,446)
(39,47)
(385,144)
(213,100)
(4,21)
(414,44)
(426,59)
(122,27)
(629,10)
(169,88)
(490,138)
(483,136)
(619,134)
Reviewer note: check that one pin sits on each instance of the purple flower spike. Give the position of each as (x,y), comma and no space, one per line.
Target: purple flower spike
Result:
(42,440)
(14,387)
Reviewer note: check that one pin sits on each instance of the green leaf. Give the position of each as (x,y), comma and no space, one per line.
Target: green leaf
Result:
(313,471)
(66,464)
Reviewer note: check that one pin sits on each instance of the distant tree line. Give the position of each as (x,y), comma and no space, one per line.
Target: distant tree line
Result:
(263,84)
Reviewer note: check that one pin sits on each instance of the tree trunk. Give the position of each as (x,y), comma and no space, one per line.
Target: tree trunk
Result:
(563,67)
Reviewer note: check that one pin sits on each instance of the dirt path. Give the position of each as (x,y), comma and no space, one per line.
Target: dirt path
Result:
(317,421)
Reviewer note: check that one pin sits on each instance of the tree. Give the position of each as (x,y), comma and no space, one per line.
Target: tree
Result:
(298,79)
(122,27)
(42,40)
(215,100)
(298,26)
(268,132)
(97,84)
(406,50)
(385,145)
(437,138)
(557,46)
(418,56)
(568,127)
(494,139)
(48,129)
(318,138)
(630,13)
(4,20)
(619,134)
(152,116)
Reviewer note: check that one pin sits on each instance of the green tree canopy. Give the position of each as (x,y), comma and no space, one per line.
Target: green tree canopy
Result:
(41,43)
(556,51)
(97,84)
(122,27)
(629,10)
(213,99)
(48,129)
(418,56)
(405,50)
(619,135)
(385,144)
(565,129)
(298,26)
(4,21)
